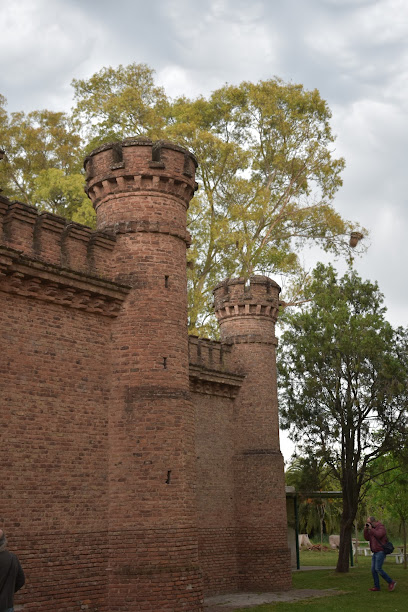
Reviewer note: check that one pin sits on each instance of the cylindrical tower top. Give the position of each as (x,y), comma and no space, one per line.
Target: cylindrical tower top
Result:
(247,310)
(137,166)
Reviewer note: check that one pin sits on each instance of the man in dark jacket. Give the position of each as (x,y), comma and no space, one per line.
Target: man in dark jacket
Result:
(11,575)
(376,534)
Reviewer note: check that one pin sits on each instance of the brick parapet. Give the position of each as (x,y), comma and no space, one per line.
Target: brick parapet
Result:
(247,311)
(49,238)
(31,278)
(236,297)
(209,353)
(211,370)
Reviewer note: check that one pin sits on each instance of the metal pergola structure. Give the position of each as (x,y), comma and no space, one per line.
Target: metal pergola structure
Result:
(293,494)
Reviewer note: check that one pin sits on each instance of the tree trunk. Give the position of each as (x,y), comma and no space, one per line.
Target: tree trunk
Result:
(346,531)
(344,548)
(350,491)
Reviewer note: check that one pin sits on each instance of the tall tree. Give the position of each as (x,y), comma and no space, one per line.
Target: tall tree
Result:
(63,195)
(343,375)
(42,162)
(116,103)
(267,170)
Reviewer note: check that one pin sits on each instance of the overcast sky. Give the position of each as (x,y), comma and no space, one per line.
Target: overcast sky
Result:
(354,51)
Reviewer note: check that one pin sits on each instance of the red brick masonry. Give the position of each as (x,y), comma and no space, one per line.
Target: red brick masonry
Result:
(140,468)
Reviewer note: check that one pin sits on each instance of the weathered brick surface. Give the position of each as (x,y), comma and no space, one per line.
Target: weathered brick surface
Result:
(140,468)
(54,386)
(247,315)
(216,492)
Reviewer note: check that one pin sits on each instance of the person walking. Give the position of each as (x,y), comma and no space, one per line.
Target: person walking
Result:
(376,534)
(11,576)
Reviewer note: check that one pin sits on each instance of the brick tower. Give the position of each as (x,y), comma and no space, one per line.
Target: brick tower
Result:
(141,191)
(247,314)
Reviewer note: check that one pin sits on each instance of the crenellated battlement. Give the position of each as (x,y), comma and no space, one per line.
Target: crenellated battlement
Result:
(236,297)
(211,368)
(46,257)
(54,240)
(139,166)
(210,354)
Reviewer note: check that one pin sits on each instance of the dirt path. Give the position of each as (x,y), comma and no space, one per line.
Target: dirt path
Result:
(224,603)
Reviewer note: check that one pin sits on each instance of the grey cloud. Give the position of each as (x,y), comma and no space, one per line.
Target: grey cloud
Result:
(354,51)
(41,45)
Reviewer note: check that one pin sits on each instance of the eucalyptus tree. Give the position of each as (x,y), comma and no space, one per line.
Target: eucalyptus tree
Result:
(267,171)
(267,174)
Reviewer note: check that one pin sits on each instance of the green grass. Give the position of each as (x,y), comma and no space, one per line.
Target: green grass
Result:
(354,586)
(329,557)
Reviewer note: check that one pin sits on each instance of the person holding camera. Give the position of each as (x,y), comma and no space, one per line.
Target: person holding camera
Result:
(375,533)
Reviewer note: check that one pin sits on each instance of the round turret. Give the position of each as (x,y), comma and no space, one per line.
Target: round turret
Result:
(117,173)
(247,311)
(141,191)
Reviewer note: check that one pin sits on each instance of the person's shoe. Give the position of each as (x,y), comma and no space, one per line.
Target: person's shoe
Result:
(376,589)
(392,585)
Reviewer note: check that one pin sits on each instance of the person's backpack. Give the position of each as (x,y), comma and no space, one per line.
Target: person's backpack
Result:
(388,547)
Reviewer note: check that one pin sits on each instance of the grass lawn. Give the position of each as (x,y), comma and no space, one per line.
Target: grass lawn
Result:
(355,584)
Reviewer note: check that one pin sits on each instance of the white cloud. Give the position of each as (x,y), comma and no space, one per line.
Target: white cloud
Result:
(222,41)
(178,81)
(42,42)
(364,45)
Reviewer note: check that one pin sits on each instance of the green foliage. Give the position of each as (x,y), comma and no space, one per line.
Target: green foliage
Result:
(388,490)
(307,475)
(343,373)
(42,163)
(114,104)
(267,173)
(63,195)
(267,170)
(267,180)
(388,493)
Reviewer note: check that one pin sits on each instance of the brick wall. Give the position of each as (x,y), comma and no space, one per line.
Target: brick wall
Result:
(140,467)
(54,383)
(215,492)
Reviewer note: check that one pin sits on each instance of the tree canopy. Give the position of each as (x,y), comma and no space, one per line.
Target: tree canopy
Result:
(267,174)
(343,374)
(42,163)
